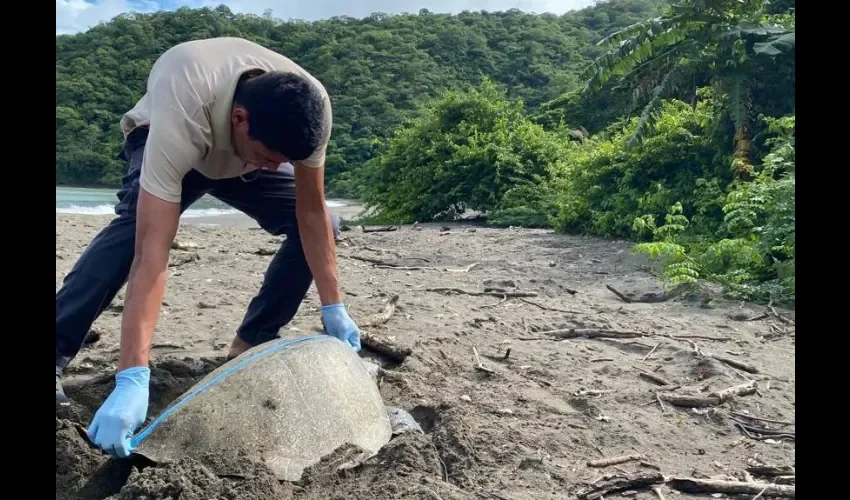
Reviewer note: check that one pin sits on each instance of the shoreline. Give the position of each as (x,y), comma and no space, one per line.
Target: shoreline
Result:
(237,220)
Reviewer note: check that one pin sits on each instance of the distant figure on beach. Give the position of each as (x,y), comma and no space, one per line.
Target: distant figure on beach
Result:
(219,117)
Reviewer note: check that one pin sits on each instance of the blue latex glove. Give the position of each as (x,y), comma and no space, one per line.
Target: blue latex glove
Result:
(122,412)
(340,325)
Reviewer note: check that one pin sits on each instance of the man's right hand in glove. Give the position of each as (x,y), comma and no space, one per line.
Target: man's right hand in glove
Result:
(122,413)
(125,409)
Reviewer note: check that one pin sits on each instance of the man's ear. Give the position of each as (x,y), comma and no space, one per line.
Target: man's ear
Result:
(239,117)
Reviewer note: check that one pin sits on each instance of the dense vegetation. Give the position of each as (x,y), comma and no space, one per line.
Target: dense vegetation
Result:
(671,126)
(378,69)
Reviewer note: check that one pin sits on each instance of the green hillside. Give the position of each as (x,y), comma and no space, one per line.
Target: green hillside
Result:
(378,69)
(670,125)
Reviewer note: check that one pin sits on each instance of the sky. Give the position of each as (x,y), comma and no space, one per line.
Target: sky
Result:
(73,16)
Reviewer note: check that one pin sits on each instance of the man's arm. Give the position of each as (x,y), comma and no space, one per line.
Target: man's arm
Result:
(156,225)
(126,407)
(314,227)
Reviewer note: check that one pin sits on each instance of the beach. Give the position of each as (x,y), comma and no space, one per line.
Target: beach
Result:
(516,392)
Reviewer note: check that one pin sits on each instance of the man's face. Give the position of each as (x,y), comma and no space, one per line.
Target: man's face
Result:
(249,150)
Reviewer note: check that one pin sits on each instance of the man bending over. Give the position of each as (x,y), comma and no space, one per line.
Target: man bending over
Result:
(220,117)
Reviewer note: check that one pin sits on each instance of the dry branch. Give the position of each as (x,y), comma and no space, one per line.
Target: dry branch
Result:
(381,317)
(698,337)
(780,317)
(735,363)
(618,294)
(547,308)
(478,366)
(714,399)
(570,333)
(693,485)
(657,491)
(760,419)
(607,462)
(429,268)
(504,299)
(760,434)
(449,291)
(771,470)
(384,346)
(650,353)
(379,229)
(370,260)
(376,342)
(613,484)
(654,378)
(382,264)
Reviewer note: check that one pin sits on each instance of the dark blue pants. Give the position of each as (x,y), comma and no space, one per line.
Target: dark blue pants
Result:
(103,267)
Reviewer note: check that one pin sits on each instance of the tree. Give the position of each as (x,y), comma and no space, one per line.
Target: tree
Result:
(720,38)
(463,152)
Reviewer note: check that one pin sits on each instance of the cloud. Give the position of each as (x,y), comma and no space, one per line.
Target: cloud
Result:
(73,16)
(79,15)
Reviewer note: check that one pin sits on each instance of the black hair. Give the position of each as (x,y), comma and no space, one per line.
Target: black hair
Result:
(285,112)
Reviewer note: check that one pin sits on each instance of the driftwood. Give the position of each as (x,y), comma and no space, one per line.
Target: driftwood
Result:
(734,363)
(613,484)
(378,343)
(449,291)
(381,317)
(382,264)
(384,346)
(547,308)
(760,419)
(379,229)
(650,353)
(570,333)
(693,485)
(393,252)
(607,462)
(377,262)
(759,433)
(478,365)
(653,377)
(715,398)
(771,470)
(429,268)
(618,294)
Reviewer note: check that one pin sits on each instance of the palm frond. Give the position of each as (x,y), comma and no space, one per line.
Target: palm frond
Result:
(740,104)
(776,45)
(744,30)
(649,115)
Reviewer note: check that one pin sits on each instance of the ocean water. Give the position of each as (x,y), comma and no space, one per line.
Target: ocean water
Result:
(97,201)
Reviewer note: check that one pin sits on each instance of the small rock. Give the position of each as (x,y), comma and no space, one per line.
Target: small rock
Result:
(505,411)
(629,493)
(183,245)
(466,398)
(204,305)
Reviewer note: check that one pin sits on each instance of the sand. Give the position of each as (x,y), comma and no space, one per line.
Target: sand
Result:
(526,430)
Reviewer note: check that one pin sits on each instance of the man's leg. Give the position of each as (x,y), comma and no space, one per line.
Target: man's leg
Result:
(269,198)
(102,269)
